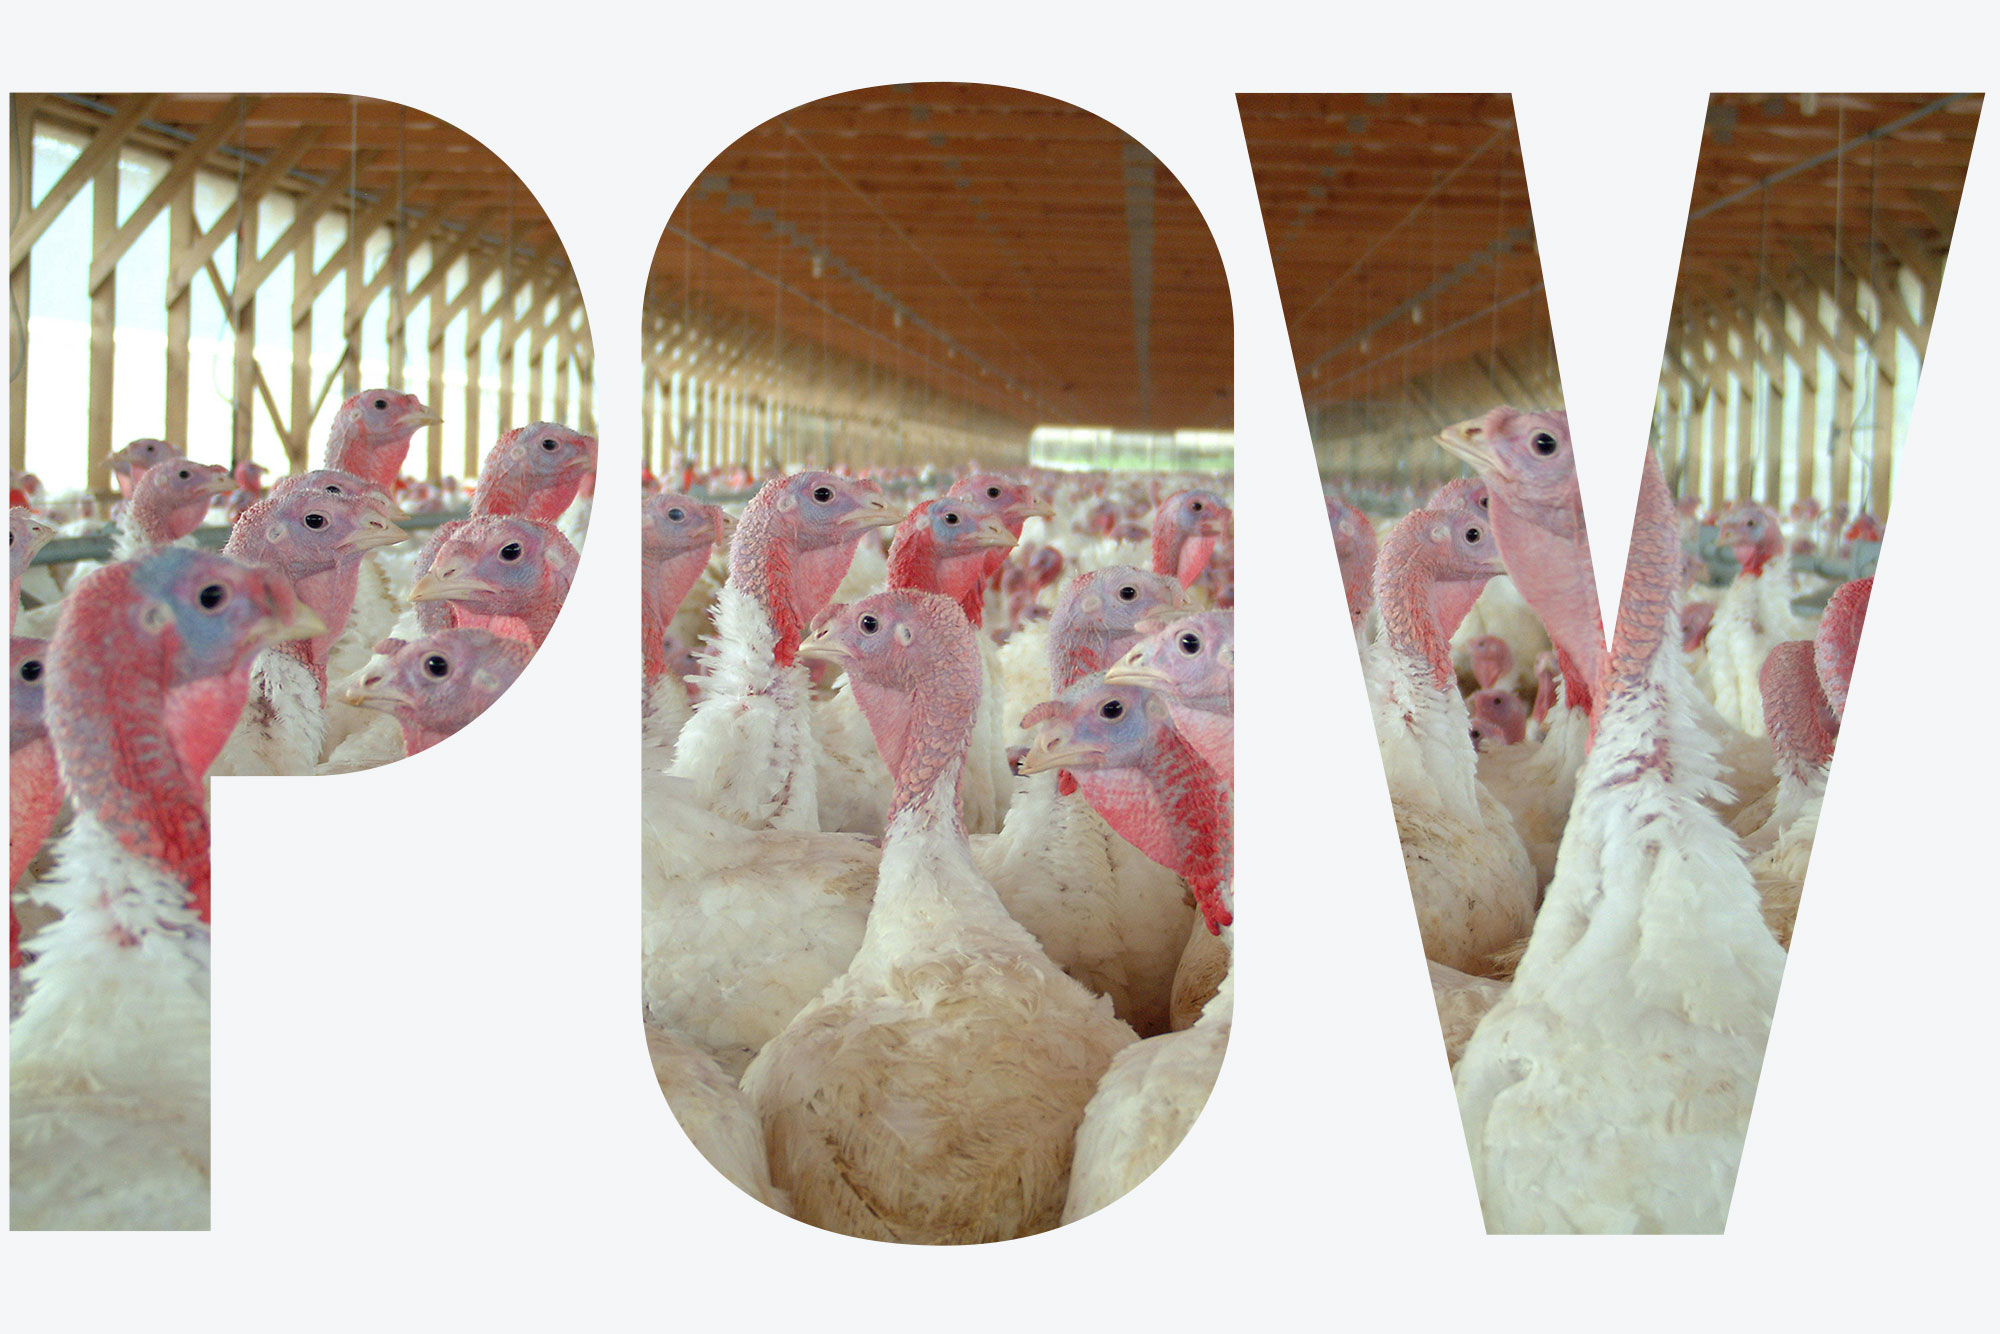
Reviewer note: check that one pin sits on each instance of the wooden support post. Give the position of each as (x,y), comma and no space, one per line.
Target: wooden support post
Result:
(89,166)
(649,404)
(586,389)
(1842,437)
(565,362)
(1746,441)
(298,437)
(1810,441)
(180,174)
(398,268)
(354,260)
(1718,443)
(243,384)
(1774,438)
(434,393)
(21,155)
(1882,448)
(103,328)
(475,353)
(509,415)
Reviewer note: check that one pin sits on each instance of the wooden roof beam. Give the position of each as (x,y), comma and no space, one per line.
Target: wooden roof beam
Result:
(185,164)
(252,189)
(102,148)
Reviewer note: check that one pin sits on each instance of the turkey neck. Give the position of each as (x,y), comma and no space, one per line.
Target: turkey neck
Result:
(112,748)
(378,462)
(761,560)
(514,492)
(666,584)
(1174,808)
(34,793)
(1839,640)
(916,562)
(1182,555)
(1210,728)
(1796,713)
(1548,557)
(1405,582)
(1648,617)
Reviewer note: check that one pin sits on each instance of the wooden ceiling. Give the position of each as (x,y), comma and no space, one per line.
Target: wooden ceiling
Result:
(1773,199)
(1400,228)
(1400,231)
(1003,248)
(383,150)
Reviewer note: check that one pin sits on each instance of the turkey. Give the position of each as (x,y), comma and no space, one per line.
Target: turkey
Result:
(437,685)
(316,540)
(1610,1089)
(109,1058)
(749,749)
(861,1130)
(676,535)
(1470,876)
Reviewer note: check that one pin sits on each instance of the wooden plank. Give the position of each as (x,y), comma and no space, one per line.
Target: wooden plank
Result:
(1718,446)
(103,330)
(478,273)
(440,269)
(535,379)
(397,269)
(181,232)
(1810,443)
(89,165)
(267,175)
(474,354)
(1882,448)
(565,359)
(297,237)
(360,226)
(649,407)
(508,411)
(1842,437)
(21,158)
(1774,440)
(409,237)
(434,398)
(243,384)
(180,175)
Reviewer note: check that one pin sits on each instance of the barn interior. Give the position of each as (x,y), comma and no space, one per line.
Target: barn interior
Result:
(926,274)
(221,270)
(1816,245)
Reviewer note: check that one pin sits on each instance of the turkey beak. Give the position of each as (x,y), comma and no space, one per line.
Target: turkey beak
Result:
(821,645)
(725,525)
(875,512)
(1054,750)
(371,693)
(992,533)
(218,486)
(419,417)
(1134,670)
(375,533)
(1468,441)
(448,585)
(390,510)
(1033,509)
(39,532)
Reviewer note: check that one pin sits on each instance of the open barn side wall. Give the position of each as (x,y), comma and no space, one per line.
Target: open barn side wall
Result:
(721,392)
(358,282)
